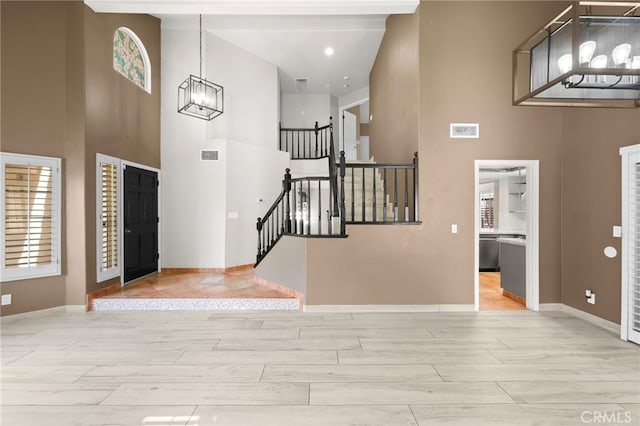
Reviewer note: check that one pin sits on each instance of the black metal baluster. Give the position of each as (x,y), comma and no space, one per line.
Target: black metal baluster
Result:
(277,220)
(384,194)
(395,195)
(316,133)
(415,187)
(329,230)
(319,207)
(406,195)
(308,206)
(343,213)
(295,208)
(298,140)
(353,195)
(364,199)
(374,195)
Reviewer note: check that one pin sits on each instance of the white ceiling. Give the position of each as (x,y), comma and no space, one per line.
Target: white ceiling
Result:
(291,34)
(296,44)
(255,7)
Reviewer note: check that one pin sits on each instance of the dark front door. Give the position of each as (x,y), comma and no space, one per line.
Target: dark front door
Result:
(140,222)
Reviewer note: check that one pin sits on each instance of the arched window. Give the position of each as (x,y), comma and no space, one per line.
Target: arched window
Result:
(130,58)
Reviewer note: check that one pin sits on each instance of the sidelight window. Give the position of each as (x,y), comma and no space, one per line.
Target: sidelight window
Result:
(107,221)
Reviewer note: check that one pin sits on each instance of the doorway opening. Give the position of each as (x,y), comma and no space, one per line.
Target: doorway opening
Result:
(506,275)
(354,130)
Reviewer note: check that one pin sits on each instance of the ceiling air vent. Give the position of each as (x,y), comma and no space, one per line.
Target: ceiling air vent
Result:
(209,155)
(302,84)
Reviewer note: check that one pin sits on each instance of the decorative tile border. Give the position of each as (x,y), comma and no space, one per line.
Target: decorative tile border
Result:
(105,291)
(282,289)
(195,304)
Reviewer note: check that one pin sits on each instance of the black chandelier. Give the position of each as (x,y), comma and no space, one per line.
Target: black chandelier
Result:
(199,97)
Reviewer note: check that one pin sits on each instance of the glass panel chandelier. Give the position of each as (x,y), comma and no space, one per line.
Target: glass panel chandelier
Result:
(589,55)
(198,97)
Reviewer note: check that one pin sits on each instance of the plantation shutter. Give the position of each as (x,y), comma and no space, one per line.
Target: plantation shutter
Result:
(487,210)
(107,225)
(634,258)
(31,213)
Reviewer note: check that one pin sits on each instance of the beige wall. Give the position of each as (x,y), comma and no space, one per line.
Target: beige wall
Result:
(465,76)
(394,90)
(34,89)
(121,119)
(62,98)
(591,205)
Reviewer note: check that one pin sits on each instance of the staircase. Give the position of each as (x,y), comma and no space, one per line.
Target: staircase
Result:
(357,192)
(366,198)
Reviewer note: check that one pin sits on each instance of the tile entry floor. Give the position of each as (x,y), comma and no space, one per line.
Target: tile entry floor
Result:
(518,368)
(232,284)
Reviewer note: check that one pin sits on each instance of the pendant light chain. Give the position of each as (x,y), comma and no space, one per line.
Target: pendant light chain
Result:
(200,46)
(198,97)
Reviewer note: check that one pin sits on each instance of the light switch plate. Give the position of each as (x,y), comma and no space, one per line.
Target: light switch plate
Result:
(617,231)
(233,215)
(454,228)
(6,299)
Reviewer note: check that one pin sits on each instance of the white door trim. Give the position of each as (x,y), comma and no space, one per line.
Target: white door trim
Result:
(533,228)
(341,110)
(124,165)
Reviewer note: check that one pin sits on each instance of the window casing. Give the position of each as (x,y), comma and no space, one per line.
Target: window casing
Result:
(130,58)
(108,224)
(30,212)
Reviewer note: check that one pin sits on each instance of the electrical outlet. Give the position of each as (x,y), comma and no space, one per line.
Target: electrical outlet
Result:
(6,299)
(591,297)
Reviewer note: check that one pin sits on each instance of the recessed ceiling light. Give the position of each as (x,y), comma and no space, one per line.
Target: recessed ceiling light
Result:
(347,85)
(346,77)
(328,51)
(327,86)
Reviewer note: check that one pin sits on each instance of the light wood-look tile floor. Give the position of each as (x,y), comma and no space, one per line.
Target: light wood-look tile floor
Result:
(293,368)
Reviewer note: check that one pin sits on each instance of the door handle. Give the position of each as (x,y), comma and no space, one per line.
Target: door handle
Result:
(127,231)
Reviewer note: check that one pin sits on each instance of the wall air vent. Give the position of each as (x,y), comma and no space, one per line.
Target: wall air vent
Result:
(209,155)
(302,84)
(464,130)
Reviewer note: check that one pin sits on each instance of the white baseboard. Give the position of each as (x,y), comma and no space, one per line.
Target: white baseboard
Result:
(388,308)
(41,312)
(550,307)
(593,319)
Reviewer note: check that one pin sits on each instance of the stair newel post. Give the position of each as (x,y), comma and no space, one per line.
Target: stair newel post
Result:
(280,136)
(343,226)
(287,207)
(415,187)
(316,132)
(259,228)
